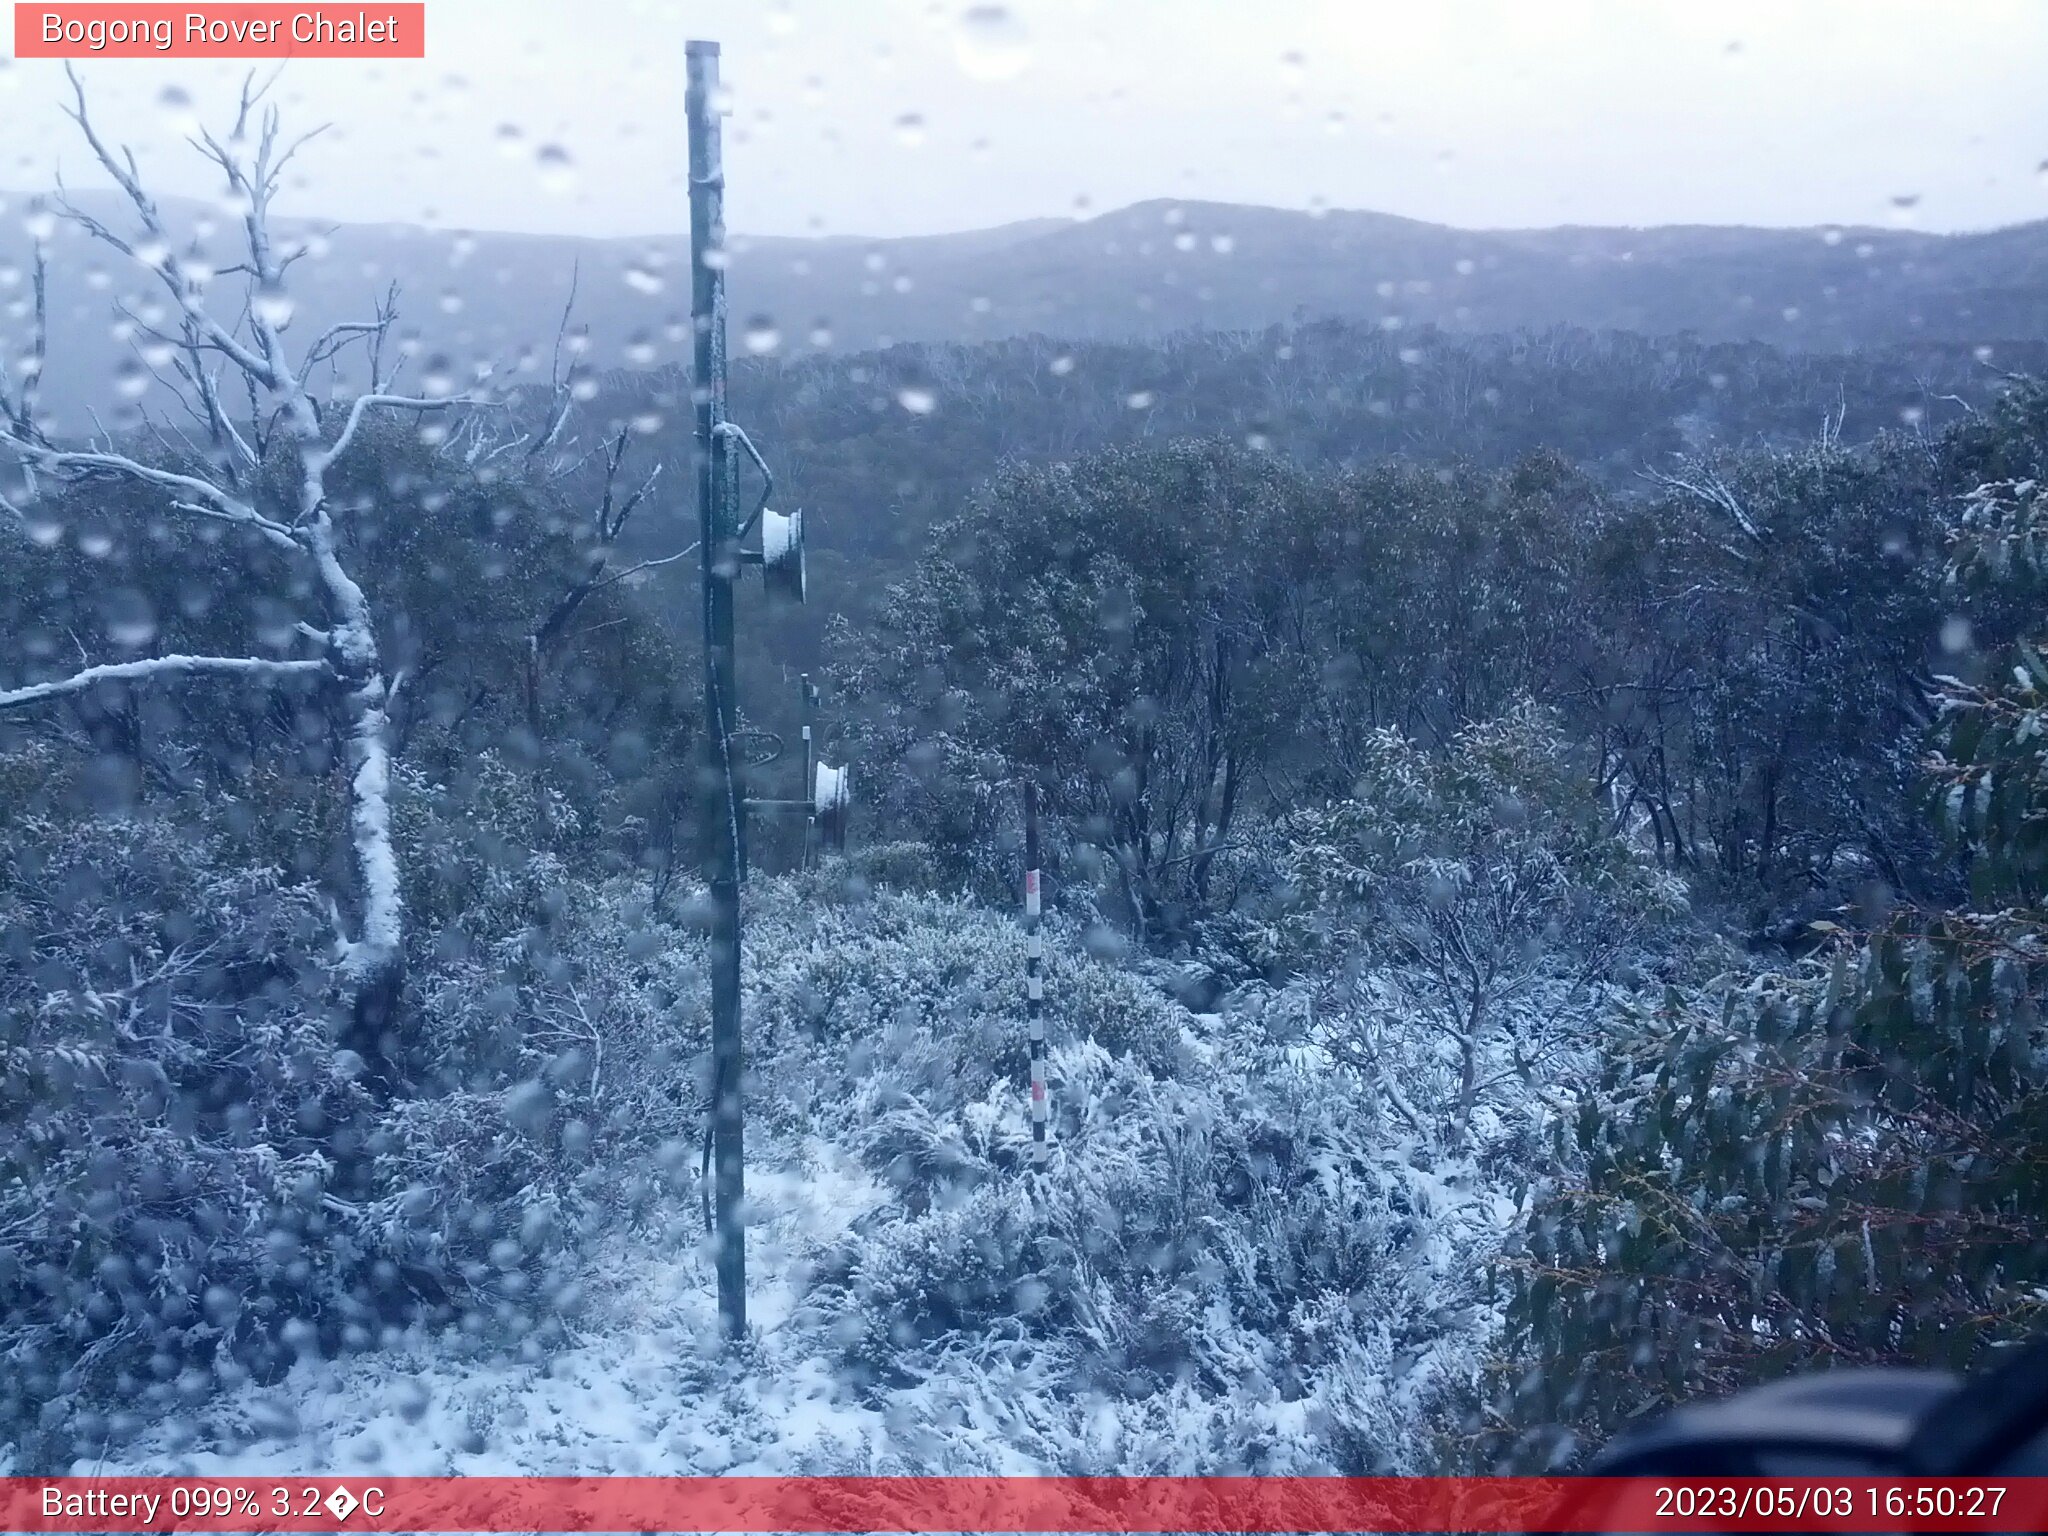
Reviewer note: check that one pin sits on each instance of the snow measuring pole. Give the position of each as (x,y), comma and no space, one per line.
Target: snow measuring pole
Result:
(1034,973)
(719,794)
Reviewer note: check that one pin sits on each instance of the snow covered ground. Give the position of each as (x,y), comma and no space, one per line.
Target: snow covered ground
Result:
(645,1389)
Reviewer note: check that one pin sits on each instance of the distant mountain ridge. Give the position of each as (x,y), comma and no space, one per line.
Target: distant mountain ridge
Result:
(1147,269)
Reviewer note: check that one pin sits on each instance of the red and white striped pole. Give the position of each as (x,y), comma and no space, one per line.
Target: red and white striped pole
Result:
(1034,973)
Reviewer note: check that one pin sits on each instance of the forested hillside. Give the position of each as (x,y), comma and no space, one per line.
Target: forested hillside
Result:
(487,297)
(1544,871)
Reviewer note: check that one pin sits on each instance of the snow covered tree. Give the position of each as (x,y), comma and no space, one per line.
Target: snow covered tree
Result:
(263,470)
(1474,896)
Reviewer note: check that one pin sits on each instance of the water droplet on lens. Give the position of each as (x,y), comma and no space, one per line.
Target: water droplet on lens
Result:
(919,402)
(910,130)
(557,170)
(761,337)
(130,621)
(273,306)
(991,44)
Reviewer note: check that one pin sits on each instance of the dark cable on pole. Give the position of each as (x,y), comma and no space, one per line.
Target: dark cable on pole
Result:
(721,797)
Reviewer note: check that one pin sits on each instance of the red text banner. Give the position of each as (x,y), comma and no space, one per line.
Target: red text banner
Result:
(1053,1504)
(216,31)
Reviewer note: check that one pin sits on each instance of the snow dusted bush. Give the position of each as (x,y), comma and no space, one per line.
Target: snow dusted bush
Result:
(1457,919)
(198,1185)
(916,993)
(174,1107)
(1216,1248)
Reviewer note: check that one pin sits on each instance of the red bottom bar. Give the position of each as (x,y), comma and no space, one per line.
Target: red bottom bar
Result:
(1021,1504)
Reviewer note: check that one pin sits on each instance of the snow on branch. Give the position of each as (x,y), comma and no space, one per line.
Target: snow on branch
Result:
(161,669)
(364,403)
(1706,485)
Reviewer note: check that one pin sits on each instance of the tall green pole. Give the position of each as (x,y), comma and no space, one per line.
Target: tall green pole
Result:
(720,797)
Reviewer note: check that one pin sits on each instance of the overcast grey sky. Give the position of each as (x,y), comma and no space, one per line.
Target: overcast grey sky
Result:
(907,116)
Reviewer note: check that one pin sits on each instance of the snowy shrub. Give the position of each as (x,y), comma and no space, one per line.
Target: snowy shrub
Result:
(1220,1238)
(175,1110)
(197,1186)
(1456,920)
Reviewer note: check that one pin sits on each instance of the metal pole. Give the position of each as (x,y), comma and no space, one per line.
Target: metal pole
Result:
(1034,973)
(721,797)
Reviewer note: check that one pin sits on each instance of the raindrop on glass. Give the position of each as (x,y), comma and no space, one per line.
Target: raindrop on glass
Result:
(991,44)
(273,306)
(557,170)
(131,623)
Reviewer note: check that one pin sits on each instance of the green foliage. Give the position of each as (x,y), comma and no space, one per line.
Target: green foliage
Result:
(1841,1164)
(1091,627)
